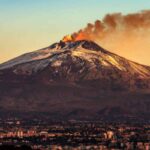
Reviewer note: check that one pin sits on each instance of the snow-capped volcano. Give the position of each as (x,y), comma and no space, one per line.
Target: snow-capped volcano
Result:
(78,61)
(76,76)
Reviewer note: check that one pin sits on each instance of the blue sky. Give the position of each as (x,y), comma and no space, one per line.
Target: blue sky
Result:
(26,25)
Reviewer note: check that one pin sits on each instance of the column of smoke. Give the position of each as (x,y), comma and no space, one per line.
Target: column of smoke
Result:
(126,35)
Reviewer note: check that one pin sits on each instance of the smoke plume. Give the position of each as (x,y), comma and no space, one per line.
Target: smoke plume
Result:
(127,35)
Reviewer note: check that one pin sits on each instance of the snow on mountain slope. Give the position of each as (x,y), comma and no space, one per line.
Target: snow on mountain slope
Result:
(88,52)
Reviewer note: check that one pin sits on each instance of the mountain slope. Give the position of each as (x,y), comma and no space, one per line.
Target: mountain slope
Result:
(77,80)
(77,62)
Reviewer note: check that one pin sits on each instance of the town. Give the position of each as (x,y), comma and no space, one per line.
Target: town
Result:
(39,134)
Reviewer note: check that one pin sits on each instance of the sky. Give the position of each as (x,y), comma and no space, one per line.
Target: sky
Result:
(28,25)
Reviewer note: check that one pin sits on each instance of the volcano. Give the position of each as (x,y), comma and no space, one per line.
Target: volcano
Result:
(75,80)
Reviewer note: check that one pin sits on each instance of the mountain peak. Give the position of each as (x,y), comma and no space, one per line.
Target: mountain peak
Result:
(86,44)
(86,57)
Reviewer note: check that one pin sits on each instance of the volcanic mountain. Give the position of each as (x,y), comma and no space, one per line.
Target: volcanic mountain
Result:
(75,80)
